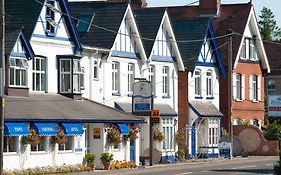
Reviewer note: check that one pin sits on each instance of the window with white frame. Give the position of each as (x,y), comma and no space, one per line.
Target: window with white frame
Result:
(252,50)
(77,73)
(255,88)
(131,77)
(256,122)
(115,77)
(198,87)
(82,78)
(18,71)
(165,81)
(95,69)
(271,87)
(248,50)
(243,50)
(238,86)
(39,74)
(50,17)
(168,128)
(41,146)
(68,144)
(213,132)
(209,83)
(10,144)
(151,77)
(65,75)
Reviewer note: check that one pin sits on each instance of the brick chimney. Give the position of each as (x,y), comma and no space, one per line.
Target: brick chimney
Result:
(209,7)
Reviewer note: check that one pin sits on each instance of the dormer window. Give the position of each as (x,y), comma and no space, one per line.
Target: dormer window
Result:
(248,50)
(50,18)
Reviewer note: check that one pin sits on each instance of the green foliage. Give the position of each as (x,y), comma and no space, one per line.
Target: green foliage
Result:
(90,158)
(273,131)
(113,135)
(277,168)
(32,138)
(181,136)
(267,24)
(158,135)
(106,158)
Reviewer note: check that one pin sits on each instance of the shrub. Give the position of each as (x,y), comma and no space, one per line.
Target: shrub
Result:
(277,168)
(272,131)
(90,158)
(158,135)
(106,158)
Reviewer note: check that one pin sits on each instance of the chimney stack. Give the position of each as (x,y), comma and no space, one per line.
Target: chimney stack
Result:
(209,7)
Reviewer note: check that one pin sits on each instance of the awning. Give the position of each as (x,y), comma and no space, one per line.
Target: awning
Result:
(72,128)
(16,129)
(124,129)
(45,129)
(205,109)
(165,109)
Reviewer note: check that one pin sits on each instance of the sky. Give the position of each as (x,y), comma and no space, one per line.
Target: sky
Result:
(273,5)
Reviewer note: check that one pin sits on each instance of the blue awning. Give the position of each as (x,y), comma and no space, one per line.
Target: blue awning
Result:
(124,129)
(72,128)
(45,129)
(16,129)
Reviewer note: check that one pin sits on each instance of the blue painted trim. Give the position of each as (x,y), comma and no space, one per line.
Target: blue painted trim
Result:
(193,142)
(197,97)
(210,98)
(166,96)
(169,59)
(17,54)
(70,25)
(73,121)
(116,94)
(218,53)
(206,64)
(125,54)
(26,45)
(169,159)
(168,115)
(55,38)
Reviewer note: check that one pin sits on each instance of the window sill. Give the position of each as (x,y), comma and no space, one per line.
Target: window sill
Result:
(37,152)
(198,97)
(255,101)
(65,152)
(10,153)
(210,98)
(166,96)
(238,100)
(116,94)
(95,79)
(130,94)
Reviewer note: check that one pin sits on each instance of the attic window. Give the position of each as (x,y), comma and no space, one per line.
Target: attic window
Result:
(84,23)
(50,18)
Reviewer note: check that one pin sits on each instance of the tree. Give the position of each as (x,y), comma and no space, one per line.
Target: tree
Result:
(267,24)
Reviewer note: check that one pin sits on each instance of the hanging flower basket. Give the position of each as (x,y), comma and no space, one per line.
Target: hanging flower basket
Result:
(59,138)
(158,135)
(113,135)
(32,138)
(181,136)
(133,131)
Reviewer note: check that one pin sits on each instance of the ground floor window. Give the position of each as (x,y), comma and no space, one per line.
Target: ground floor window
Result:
(168,128)
(10,144)
(68,144)
(41,146)
(213,131)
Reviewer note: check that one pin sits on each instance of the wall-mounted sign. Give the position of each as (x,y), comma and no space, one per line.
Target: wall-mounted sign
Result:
(274,106)
(96,133)
(155,116)
(142,97)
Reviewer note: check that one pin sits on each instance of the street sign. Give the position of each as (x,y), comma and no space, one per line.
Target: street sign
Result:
(155,116)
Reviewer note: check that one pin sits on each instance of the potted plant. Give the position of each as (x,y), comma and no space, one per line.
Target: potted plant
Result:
(113,135)
(180,155)
(90,159)
(158,135)
(106,159)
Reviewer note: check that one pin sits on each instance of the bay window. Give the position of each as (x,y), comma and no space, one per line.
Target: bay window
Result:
(213,131)
(18,71)
(168,128)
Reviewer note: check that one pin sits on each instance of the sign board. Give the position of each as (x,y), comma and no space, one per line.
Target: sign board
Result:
(274,106)
(224,149)
(155,116)
(78,144)
(142,97)
(96,133)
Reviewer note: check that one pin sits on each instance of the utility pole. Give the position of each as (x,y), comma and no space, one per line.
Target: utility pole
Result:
(2,55)
(230,128)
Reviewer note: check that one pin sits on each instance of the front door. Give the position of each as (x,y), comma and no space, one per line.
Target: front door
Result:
(132,150)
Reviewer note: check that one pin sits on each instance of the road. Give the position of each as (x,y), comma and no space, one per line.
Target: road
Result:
(237,166)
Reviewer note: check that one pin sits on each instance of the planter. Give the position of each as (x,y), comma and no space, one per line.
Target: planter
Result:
(92,166)
(106,166)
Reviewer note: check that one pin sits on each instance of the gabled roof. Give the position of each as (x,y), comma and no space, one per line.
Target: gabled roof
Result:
(193,29)
(107,18)
(149,21)
(57,108)
(273,52)
(21,14)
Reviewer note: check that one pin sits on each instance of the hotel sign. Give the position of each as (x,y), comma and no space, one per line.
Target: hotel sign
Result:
(274,106)
(142,98)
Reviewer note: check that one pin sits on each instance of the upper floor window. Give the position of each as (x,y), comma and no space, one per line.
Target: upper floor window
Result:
(255,87)
(198,87)
(151,77)
(71,75)
(209,83)
(18,71)
(238,86)
(252,50)
(39,74)
(248,50)
(115,77)
(271,87)
(131,77)
(243,50)
(95,69)
(165,81)
(50,17)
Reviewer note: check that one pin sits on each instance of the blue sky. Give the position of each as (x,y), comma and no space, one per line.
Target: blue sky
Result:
(274,5)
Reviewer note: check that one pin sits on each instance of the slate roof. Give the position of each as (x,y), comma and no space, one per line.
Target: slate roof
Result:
(232,16)
(148,21)
(54,107)
(205,109)
(107,15)
(20,15)
(191,29)
(273,52)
